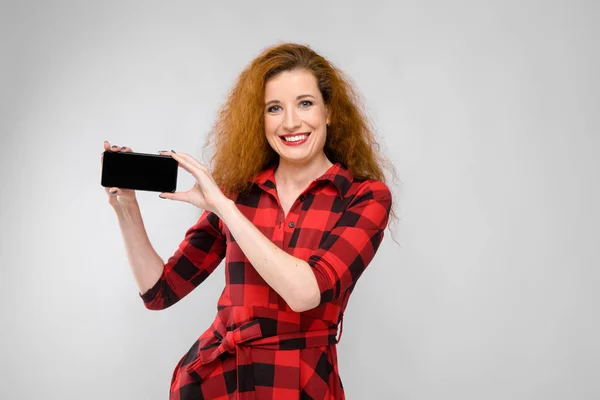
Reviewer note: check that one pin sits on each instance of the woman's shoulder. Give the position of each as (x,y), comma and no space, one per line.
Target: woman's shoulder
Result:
(369,186)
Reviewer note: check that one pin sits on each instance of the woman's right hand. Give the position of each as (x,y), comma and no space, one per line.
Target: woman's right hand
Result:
(118,198)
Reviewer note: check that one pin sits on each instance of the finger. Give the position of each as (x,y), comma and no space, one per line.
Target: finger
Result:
(113,191)
(177,196)
(109,147)
(189,163)
(106,147)
(183,162)
(192,160)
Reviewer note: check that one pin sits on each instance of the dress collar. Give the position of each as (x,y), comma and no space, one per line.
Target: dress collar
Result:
(337,174)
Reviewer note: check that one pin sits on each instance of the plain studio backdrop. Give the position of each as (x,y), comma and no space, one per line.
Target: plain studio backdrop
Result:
(488,109)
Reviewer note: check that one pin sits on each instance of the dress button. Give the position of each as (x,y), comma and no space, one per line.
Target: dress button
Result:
(291,224)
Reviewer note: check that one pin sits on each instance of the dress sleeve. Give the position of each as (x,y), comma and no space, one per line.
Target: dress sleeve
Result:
(198,255)
(352,243)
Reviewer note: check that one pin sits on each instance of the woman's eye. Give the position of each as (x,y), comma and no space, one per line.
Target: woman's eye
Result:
(304,104)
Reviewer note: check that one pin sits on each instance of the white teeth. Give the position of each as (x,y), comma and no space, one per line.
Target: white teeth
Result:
(295,138)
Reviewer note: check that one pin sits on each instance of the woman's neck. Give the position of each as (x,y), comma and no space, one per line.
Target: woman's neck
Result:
(296,177)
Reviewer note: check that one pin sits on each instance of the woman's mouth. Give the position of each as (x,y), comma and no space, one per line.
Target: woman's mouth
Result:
(295,140)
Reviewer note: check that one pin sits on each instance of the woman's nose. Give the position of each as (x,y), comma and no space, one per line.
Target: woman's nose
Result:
(291,120)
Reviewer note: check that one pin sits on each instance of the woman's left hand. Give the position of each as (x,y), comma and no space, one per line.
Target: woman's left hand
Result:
(205,193)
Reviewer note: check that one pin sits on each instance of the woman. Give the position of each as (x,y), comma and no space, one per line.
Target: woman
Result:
(296,204)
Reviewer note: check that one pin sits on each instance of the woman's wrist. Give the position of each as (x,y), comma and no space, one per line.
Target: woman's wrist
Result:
(128,210)
(224,208)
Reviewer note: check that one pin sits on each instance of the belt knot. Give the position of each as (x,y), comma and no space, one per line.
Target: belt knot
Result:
(229,342)
(239,340)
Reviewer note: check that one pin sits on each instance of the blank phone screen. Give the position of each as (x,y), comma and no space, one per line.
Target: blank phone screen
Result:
(139,171)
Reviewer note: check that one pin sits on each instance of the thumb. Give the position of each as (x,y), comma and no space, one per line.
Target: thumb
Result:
(177,196)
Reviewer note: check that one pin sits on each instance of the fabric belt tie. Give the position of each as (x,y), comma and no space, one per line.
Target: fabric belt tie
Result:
(238,341)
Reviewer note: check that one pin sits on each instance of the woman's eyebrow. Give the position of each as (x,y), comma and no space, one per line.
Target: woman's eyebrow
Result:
(297,98)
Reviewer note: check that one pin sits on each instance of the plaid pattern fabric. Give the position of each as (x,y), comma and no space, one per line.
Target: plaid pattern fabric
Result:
(257,347)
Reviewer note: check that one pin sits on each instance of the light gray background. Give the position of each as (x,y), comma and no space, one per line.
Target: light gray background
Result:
(488,108)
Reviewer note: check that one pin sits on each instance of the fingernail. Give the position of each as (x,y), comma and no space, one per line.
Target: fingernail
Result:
(114,146)
(162,197)
(162,151)
(106,141)
(113,192)
(173,151)
(123,148)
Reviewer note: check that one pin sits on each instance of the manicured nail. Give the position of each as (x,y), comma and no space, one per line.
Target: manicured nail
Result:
(162,197)
(113,192)
(106,141)
(173,151)
(114,146)
(123,148)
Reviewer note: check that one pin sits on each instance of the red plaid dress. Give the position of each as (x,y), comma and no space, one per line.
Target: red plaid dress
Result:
(257,347)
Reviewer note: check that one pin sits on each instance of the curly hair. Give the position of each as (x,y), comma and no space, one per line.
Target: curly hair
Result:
(238,138)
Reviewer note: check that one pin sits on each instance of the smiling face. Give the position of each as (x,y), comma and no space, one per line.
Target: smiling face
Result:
(296,117)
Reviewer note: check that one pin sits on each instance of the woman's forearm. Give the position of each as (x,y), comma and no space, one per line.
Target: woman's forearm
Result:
(146,264)
(291,277)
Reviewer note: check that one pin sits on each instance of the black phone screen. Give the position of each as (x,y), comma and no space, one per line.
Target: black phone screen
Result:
(139,171)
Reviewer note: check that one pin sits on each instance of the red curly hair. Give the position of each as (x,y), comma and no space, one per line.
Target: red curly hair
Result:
(238,138)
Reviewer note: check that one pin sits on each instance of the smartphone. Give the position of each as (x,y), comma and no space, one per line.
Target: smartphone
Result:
(139,171)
